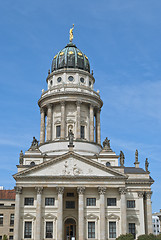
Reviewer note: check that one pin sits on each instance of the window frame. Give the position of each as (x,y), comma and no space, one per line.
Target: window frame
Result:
(27,236)
(30,203)
(91,233)
(112,234)
(110,204)
(12,216)
(82,133)
(49,201)
(132,228)
(131,204)
(91,202)
(58,130)
(47,222)
(1,219)
(69,202)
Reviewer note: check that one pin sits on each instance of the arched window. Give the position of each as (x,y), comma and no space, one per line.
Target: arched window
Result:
(108,164)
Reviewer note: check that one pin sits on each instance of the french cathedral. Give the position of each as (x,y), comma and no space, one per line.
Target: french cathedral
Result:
(68,185)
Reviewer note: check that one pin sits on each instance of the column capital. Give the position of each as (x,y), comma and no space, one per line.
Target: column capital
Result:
(78,103)
(102,190)
(62,103)
(80,190)
(60,190)
(18,190)
(39,190)
(148,194)
(140,194)
(42,110)
(98,109)
(122,191)
(49,105)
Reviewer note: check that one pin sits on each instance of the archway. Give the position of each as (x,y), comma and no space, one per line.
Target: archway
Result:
(70,229)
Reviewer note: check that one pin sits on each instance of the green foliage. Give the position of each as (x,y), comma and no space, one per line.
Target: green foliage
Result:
(147,237)
(126,237)
(158,237)
(5,237)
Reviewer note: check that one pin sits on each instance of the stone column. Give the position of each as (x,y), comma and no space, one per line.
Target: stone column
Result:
(98,126)
(60,191)
(38,213)
(42,126)
(91,123)
(49,123)
(63,120)
(148,213)
(80,191)
(122,191)
(78,120)
(17,213)
(141,213)
(102,191)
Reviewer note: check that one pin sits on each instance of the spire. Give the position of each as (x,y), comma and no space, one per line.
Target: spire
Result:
(71,34)
(136,159)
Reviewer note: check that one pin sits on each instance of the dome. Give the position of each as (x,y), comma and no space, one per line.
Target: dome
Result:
(70,57)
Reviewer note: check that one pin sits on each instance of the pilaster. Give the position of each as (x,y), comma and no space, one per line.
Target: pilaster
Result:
(60,191)
(38,213)
(141,213)
(81,191)
(148,212)
(17,213)
(102,191)
(122,192)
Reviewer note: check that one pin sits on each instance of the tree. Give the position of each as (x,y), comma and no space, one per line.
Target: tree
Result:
(147,237)
(158,237)
(5,237)
(126,237)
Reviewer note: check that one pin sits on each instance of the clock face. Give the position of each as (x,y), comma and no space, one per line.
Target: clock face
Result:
(59,79)
(70,78)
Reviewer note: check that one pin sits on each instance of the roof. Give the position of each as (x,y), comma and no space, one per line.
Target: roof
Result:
(134,170)
(7,194)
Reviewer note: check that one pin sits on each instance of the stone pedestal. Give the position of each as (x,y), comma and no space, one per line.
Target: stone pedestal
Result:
(38,213)
(49,123)
(17,213)
(80,191)
(102,191)
(122,192)
(141,213)
(60,191)
(42,126)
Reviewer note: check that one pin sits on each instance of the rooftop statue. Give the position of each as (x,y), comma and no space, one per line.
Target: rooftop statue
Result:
(71,33)
(21,158)
(136,155)
(34,144)
(71,137)
(122,158)
(106,144)
(146,165)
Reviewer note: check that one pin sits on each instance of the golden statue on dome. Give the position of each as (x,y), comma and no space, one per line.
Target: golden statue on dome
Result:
(71,34)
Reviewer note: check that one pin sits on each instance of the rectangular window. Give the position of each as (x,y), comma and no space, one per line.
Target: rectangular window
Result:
(1,204)
(0,237)
(11,229)
(29,201)
(58,128)
(132,229)
(91,229)
(83,132)
(111,201)
(130,203)
(49,229)
(91,201)
(28,230)
(10,237)
(112,229)
(70,194)
(1,219)
(70,204)
(49,201)
(12,219)
(13,205)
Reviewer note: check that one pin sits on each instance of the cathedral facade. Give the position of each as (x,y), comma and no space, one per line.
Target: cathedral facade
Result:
(69,186)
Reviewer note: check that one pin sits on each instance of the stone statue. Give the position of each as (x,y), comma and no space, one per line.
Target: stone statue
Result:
(122,158)
(146,165)
(136,155)
(106,144)
(21,158)
(71,33)
(34,144)
(71,137)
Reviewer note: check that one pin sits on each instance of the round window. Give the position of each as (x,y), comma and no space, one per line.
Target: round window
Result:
(90,83)
(70,78)
(82,80)
(59,79)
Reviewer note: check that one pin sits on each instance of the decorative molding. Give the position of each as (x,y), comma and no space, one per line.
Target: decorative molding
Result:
(39,190)
(113,216)
(122,191)
(91,216)
(148,195)
(18,190)
(29,216)
(140,194)
(80,190)
(60,190)
(49,216)
(102,190)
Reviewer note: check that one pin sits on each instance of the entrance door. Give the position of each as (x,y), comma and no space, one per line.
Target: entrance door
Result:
(70,229)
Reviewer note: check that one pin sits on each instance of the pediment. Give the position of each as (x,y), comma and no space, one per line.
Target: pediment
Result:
(29,216)
(50,216)
(91,216)
(70,165)
(113,216)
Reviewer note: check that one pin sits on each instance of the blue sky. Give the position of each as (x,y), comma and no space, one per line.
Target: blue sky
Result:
(122,41)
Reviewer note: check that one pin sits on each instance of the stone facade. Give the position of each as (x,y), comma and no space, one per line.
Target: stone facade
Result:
(79,190)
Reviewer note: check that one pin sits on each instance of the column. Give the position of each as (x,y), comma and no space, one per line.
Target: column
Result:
(148,213)
(60,191)
(98,127)
(17,213)
(102,191)
(81,230)
(63,120)
(38,213)
(49,123)
(91,123)
(42,126)
(141,213)
(122,191)
(78,120)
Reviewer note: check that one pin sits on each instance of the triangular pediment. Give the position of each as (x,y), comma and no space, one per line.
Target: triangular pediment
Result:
(70,165)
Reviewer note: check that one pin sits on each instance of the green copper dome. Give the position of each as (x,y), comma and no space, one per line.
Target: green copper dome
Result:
(70,57)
